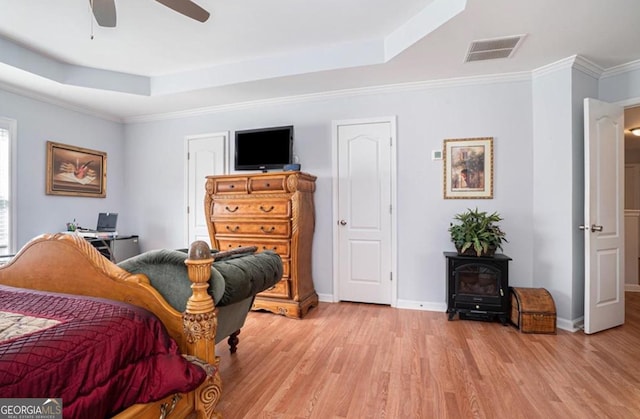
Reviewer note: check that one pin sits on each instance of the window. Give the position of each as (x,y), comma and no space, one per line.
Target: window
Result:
(7,130)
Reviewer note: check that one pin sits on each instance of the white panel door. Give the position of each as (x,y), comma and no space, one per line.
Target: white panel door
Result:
(206,155)
(364,212)
(604,215)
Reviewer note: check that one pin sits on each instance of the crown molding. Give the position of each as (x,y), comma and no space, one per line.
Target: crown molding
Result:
(622,68)
(588,67)
(361,91)
(57,102)
(563,64)
(576,62)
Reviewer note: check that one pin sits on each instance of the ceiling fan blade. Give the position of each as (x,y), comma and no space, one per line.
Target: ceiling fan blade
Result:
(104,12)
(187,8)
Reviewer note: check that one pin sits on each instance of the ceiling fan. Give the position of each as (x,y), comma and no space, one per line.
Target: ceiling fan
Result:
(105,10)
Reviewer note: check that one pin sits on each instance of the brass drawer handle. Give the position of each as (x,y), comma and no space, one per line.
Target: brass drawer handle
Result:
(264,230)
(233,229)
(263,209)
(272,249)
(231,210)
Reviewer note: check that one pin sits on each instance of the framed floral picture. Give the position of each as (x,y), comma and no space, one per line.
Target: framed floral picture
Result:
(468,168)
(76,171)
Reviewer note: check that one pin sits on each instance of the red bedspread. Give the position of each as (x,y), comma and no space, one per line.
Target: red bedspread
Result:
(102,357)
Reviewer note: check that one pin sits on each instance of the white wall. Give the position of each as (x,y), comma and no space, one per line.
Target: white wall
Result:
(536,125)
(155,157)
(558,203)
(39,122)
(622,84)
(552,186)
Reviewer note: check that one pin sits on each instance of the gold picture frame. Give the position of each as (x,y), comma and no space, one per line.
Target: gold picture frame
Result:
(468,168)
(76,171)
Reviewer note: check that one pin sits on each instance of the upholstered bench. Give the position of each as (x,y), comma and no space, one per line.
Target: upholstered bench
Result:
(236,277)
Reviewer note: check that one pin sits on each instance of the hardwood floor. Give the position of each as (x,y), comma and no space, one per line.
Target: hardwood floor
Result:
(351,360)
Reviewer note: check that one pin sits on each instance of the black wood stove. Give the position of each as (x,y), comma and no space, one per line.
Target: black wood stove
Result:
(478,287)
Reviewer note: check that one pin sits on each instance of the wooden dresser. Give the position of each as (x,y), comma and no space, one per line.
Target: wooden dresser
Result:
(273,211)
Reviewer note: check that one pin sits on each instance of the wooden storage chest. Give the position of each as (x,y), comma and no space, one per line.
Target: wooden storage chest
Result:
(533,310)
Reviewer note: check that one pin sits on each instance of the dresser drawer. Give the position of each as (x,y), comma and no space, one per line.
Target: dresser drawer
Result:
(268,184)
(286,268)
(280,290)
(251,208)
(280,247)
(265,228)
(232,185)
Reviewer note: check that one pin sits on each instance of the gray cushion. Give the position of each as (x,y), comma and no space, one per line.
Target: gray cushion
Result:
(247,275)
(232,279)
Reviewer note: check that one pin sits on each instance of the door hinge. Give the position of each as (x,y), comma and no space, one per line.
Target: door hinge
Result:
(390,276)
(188,155)
(390,141)
(390,209)
(188,209)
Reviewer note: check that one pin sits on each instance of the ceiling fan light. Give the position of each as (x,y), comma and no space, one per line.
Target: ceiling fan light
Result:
(635,131)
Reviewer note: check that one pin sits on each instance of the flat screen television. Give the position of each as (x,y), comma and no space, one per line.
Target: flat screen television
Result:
(264,148)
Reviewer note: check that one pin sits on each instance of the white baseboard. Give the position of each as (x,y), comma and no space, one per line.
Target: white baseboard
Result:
(325,298)
(421,305)
(404,304)
(570,325)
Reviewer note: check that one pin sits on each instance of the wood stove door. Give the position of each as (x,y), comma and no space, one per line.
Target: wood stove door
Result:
(479,284)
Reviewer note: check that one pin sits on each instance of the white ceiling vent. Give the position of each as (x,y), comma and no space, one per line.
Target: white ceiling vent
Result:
(490,49)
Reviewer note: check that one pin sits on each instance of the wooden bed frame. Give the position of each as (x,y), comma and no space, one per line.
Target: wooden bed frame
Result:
(68,264)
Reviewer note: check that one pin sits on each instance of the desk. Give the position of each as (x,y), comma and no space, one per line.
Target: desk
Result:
(117,248)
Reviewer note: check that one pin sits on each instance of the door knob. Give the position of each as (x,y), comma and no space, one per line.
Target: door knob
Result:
(343,223)
(593,227)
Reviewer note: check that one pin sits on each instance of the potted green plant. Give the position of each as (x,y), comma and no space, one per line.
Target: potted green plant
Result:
(477,233)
